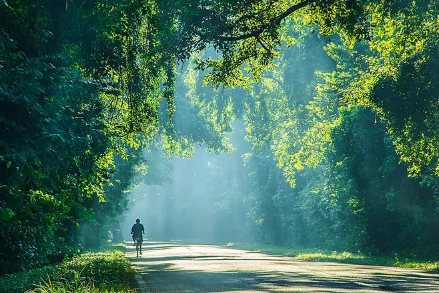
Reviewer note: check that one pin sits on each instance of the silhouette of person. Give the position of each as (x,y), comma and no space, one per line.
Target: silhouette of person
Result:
(137,231)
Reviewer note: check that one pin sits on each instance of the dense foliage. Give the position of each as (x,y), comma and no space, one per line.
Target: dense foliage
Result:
(71,115)
(91,272)
(90,89)
(349,125)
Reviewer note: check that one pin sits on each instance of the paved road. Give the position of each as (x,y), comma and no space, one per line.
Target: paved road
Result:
(179,268)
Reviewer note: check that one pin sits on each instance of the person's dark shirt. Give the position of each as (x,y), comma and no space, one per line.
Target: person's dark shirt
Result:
(137,228)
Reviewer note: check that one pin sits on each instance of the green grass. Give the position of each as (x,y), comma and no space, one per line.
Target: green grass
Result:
(93,272)
(334,256)
(110,247)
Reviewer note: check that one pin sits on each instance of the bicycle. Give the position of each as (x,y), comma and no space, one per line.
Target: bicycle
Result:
(139,240)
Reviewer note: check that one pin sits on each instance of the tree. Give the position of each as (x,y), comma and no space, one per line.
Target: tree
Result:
(86,83)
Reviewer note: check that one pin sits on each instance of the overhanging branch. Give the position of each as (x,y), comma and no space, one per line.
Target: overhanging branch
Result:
(275,21)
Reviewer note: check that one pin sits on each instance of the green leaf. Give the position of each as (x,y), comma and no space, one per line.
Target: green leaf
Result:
(6,213)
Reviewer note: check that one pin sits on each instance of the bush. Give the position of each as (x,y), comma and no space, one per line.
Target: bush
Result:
(104,269)
(89,272)
(22,281)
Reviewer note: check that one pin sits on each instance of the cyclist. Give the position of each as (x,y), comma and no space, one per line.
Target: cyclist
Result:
(137,230)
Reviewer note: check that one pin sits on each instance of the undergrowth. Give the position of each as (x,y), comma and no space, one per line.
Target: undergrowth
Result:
(92,272)
(343,257)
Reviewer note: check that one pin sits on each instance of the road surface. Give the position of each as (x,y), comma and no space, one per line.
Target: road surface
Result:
(180,268)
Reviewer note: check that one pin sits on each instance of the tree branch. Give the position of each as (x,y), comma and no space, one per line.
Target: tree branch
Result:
(263,46)
(273,22)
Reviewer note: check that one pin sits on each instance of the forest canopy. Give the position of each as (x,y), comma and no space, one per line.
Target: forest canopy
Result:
(342,95)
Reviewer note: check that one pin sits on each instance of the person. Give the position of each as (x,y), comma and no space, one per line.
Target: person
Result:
(137,230)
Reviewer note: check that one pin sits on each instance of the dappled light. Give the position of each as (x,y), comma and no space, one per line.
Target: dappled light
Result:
(176,267)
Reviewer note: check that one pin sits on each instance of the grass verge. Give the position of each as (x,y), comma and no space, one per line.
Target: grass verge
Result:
(93,272)
(334,256)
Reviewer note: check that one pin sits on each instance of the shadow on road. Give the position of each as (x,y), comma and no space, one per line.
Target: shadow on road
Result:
(167,267)
(184,281)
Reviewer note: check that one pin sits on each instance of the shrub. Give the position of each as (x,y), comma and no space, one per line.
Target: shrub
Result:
(90,272)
